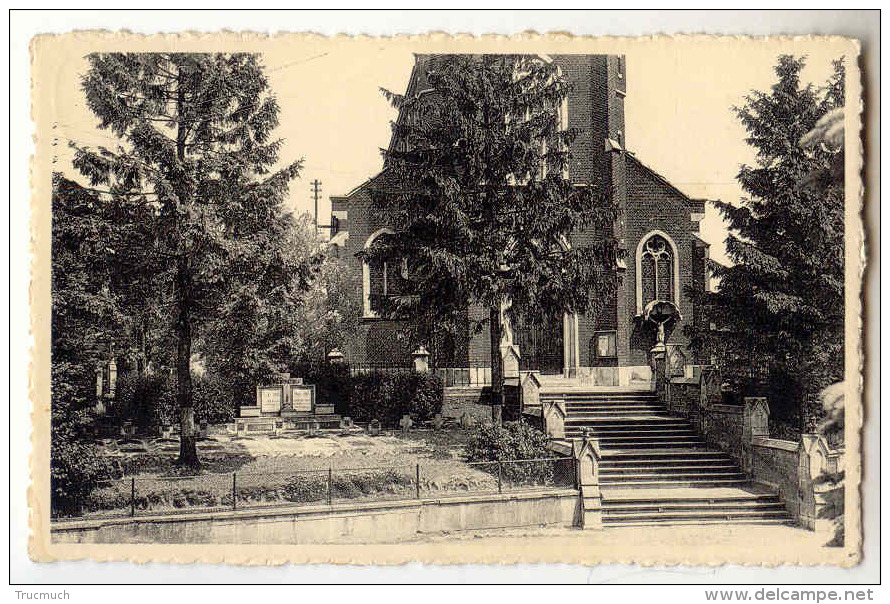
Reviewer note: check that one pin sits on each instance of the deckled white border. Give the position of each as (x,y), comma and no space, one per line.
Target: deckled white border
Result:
(180,22)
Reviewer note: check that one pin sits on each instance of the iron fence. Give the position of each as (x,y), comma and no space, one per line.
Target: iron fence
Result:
(468,374)
(149,495)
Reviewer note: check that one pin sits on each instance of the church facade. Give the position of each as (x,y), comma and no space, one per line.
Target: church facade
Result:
(657,227)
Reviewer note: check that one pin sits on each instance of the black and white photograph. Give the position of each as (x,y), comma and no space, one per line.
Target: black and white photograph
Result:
(447,300)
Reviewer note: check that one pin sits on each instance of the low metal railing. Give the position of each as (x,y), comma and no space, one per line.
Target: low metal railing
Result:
(144,495)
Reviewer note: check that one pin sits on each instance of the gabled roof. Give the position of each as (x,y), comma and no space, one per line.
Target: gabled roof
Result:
(376,179)
(694,204)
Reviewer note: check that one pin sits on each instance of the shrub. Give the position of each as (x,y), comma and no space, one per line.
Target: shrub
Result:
(510,442)
(378,395)
(513,440)
(213,400)
(76,462)
(150,401)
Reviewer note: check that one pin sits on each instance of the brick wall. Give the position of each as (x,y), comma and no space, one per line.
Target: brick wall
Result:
(654,205)
(596,110)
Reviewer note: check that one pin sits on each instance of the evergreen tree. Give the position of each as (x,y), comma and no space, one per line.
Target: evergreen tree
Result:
(197,148)
(259,328)
(86,315)
(475,190)
(782,299)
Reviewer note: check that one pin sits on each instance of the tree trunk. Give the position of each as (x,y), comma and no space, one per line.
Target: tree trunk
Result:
(497,365)
(188,451)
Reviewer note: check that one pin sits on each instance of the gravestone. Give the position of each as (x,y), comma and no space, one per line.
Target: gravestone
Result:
(166,432)
(405,424)
(313,427)
(374,427)
(128,430)
(202,430)
(346,426)
(467,421)
(438,422)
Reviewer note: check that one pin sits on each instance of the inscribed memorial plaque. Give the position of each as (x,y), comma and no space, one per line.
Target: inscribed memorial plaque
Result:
(270,400)
(302,398)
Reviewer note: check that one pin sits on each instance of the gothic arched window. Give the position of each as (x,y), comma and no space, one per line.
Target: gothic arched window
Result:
(381,278)
(657,277)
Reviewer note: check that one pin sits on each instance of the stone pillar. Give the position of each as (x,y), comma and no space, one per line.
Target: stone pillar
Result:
(112,378)
(335,356)
(659,365)
(710,382)
(553,413)
(99,382)
(421,358)
(813,455)
(531,391)
(588,457)
(755,425)
(510,354)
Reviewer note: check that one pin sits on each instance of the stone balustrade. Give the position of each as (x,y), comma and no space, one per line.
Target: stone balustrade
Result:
(742,431)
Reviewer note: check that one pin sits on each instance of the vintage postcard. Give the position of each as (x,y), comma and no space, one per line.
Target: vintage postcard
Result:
(446,299)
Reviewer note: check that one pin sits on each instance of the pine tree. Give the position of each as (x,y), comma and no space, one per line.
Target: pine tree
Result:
(197,147)
(475,190)
(782,298)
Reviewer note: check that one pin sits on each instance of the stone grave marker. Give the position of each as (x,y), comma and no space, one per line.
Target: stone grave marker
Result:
(202,430)
(346,426)
(438,422)
(374,427)
(467,421)
(313,427)
(405,424)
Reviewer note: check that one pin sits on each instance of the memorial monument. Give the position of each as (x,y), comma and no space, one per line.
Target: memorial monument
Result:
(285,404)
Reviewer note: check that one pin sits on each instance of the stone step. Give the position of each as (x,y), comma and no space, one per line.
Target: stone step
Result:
(698,517)
(675,469)
(722,474)
(622,415)
(646,433)
(650,441)
(659,507)
(587,407)
(656,455)
(664,463)
(643,424)
(608,445)
(675,483)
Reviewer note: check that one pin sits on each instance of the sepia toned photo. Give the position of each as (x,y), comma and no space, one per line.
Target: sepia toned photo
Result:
(447,299)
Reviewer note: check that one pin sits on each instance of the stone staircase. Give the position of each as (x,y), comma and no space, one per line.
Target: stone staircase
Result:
(656,470)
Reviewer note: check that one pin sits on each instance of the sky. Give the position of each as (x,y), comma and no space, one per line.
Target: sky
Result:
(678,112)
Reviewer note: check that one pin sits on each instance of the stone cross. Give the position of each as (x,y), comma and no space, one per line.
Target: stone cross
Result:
(405,423)
(438,422)
(374,427)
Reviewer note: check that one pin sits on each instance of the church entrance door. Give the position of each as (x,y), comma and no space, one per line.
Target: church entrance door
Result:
(541,346)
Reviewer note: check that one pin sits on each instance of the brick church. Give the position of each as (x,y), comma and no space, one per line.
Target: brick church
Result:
(657,226)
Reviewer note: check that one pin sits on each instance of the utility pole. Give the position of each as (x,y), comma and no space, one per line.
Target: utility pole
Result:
(316,190)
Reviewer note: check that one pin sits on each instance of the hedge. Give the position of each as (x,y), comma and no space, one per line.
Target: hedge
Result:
(383,396)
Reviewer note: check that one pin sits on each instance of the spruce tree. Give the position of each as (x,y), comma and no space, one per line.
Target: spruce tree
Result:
(781,302)
(196,145)
(475,189)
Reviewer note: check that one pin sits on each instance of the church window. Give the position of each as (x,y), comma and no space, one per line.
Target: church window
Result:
(381,278)
(657,270)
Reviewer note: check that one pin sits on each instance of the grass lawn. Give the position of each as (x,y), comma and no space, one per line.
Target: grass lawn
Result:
(289,469)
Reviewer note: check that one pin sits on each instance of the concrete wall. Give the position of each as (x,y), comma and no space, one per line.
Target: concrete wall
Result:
(367,522)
